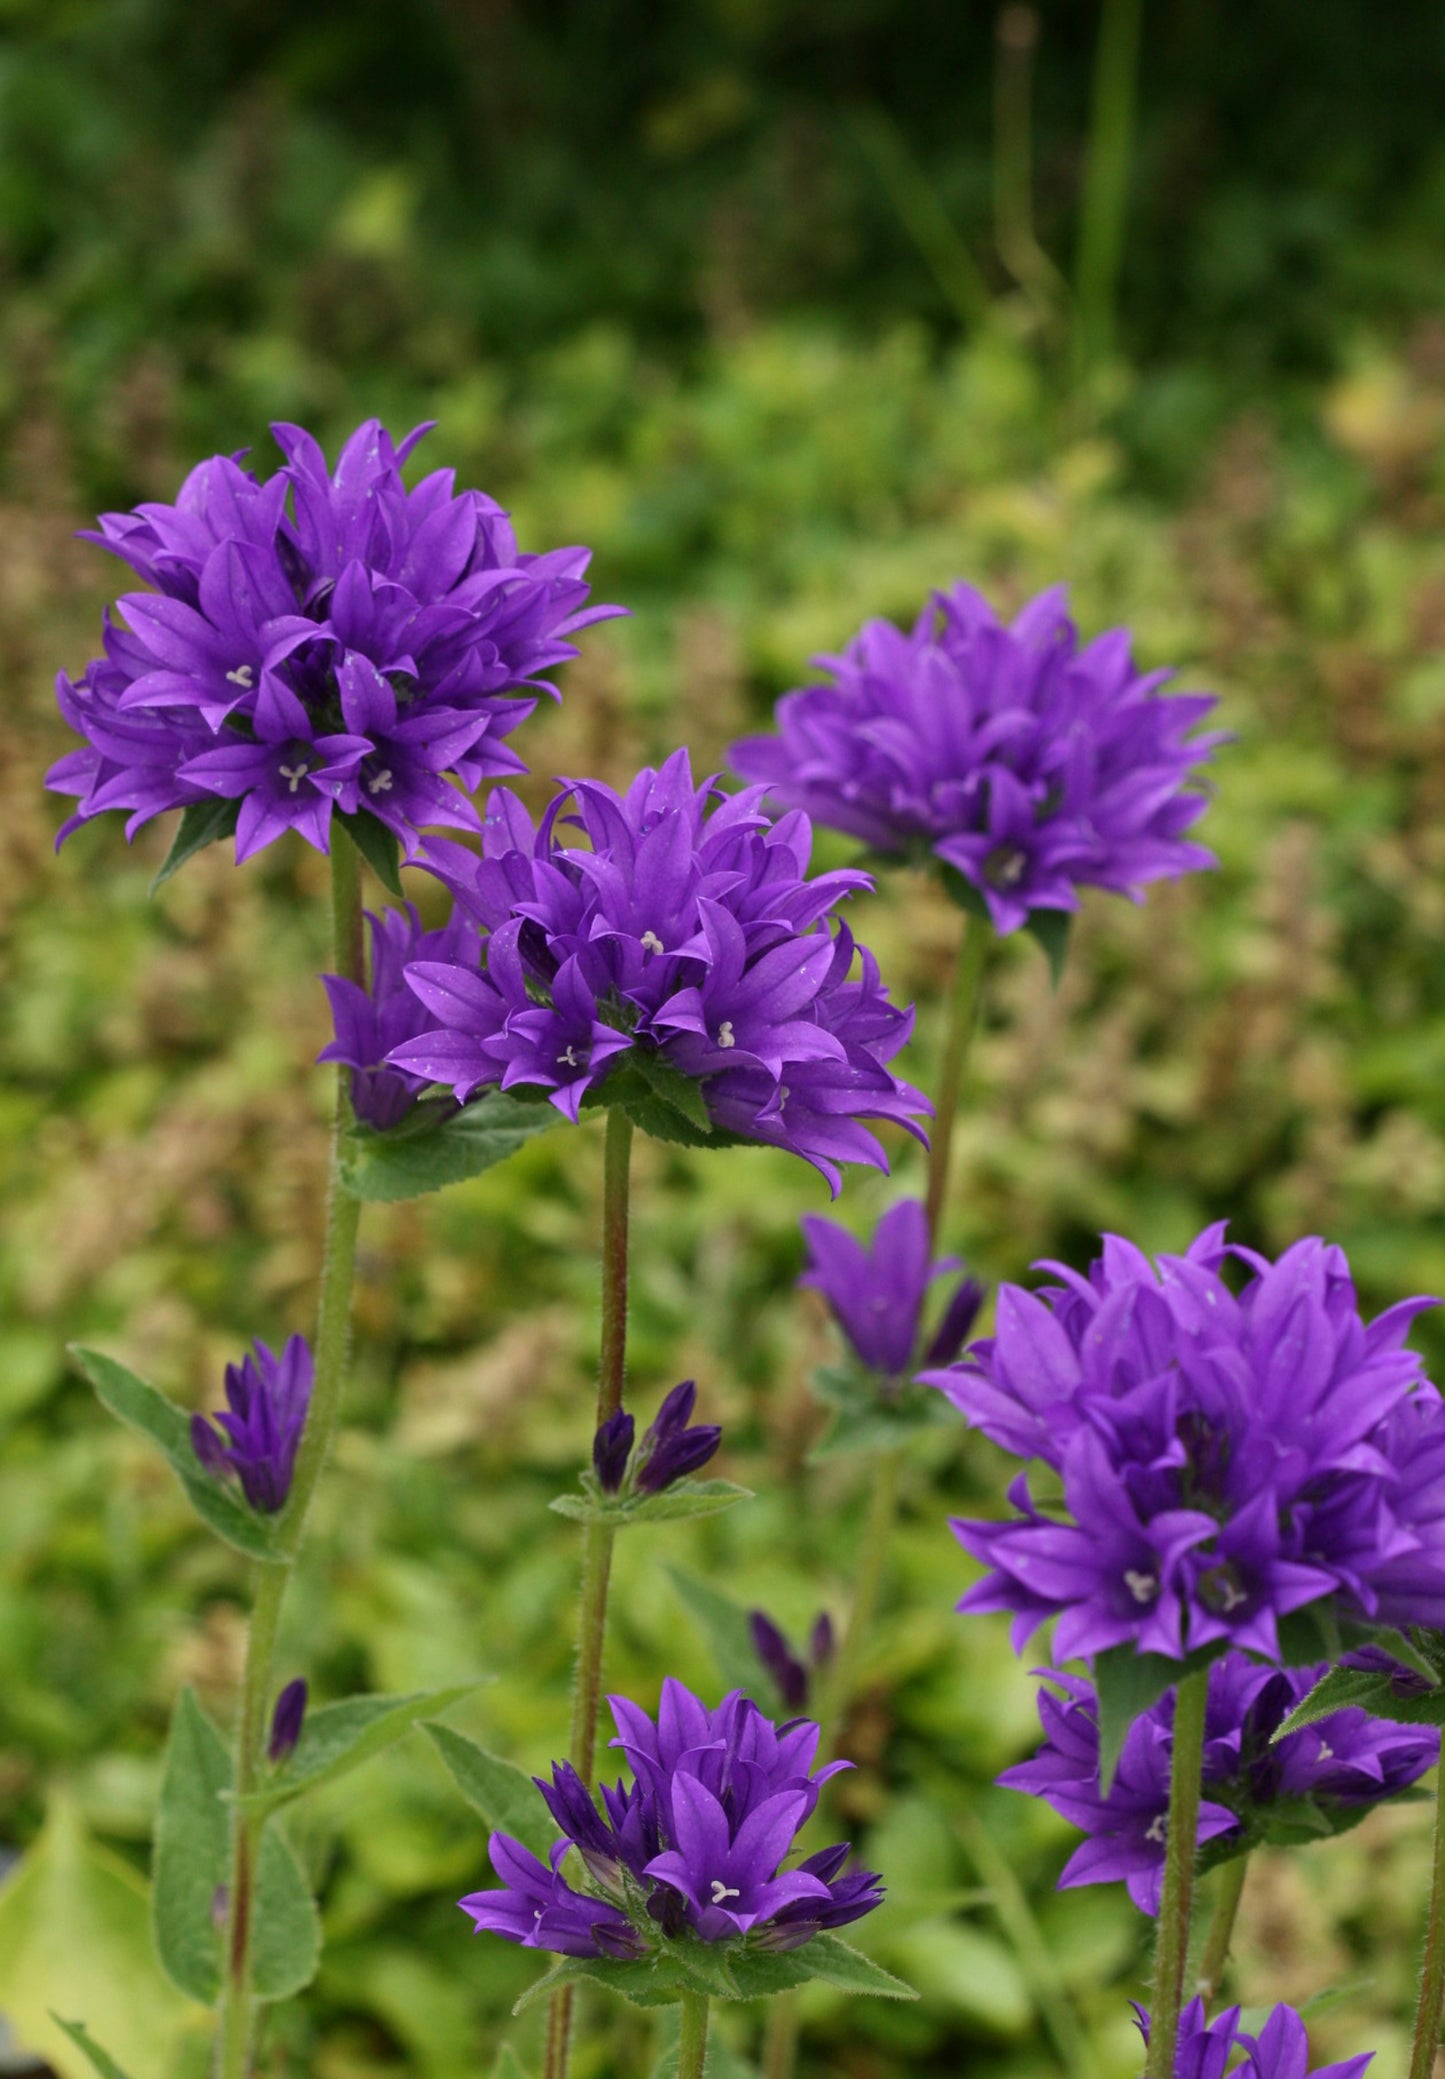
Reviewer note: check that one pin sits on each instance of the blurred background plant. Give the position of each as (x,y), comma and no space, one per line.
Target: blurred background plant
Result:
(792,311)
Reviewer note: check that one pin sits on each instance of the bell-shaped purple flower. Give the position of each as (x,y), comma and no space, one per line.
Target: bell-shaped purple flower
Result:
(267,1400)
(876,1293)
(286,1721)
(370,1022)
(1207,2049)
(323,641)
(1225,1458)
(538,1908)
(1025,763)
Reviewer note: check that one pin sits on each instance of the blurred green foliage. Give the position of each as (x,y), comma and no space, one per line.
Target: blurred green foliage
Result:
(646,270)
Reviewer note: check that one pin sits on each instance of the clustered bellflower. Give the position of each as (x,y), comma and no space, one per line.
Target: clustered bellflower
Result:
(323,640)
(1225,1458)
(1207,2049)
(684,936)
(693,1849)
(267,1400)
(876,1293)
(1340,1766)
(1029,765)
(371,1021)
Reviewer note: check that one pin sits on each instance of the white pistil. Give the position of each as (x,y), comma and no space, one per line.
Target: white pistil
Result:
(1143,1587)
(1158,1827)
(241,676)
(568,1058)
(294,775)
(1327,1752)
(381,784)
(651,943)
(725,1038)
(720,1891)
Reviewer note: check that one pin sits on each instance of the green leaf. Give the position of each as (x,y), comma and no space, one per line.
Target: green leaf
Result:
(438,1145)
(192,1852)
(102,2060)
(864,1419)
(1051,929)
(506,1798)
(759,1974)
(1343,1689)
(377,845)
(725,1626)
(685,1498)
(143,1409)
(660,1101)
(201,824)
(682,1093)
(339,1737)
(286,1941)
(508,2065)
(655,1981)
(1127,1684)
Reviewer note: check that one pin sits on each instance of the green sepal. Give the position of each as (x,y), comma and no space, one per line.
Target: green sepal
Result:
(102,2060)
(148,1412)
(725,1971)
(1128,1684)
(866,1419)
(339,1737)
(437,1145)
(684,1498)
(377,845)
(202,823)
(504,1796)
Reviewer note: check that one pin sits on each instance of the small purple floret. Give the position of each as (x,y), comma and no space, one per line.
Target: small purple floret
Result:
(1029,765)
(286,1721)
(267,1399)
(876,1293)
(370,1022)
(670,1449)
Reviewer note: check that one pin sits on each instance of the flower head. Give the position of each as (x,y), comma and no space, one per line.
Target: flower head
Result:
(876,1293)
(1279,2051)
(1226,1458)
(692,1850)
(681,946)
(1029,765)
(321,641)
(1321,1778)
(672,1446)
(369,1022)
(267,1398)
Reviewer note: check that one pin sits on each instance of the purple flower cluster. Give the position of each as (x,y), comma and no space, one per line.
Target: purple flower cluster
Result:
(1316,1780)
(1030,766)
(320,641)
(1225,1458)
(371,1022)
(1281,2050)
(267,1398)
(693,1849)
(876,1294)
(672,1447)
(684,942)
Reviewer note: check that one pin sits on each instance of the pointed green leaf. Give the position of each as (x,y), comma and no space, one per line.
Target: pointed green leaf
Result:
(202,824)
(377,845)
(438,1145)
(508,2065)
(759,1974)
(682,1093)
(504,1795)
(339,1737)
(655,1981)
(192,1852)
(1051,930)
(1343,1689)
(685,1498)
(143,1409)
(1127,1684)
(286,1940)
(726,1628)
(102,2060)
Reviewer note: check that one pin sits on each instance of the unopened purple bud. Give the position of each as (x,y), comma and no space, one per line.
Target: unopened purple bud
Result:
(953,1330)
(773,1650)
(286,1721)
(675,1413)
(208,1446)
(821,1642)
(677,1456)
(623,1943)
(665,1906)
(611,1449)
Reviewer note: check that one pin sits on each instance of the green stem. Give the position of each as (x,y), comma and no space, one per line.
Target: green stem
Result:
(966,998)
(236,2030)
(692,2043)
(780,2039)
(597,1537)
(867,1581)
(1106,179)
(1172,1941)
(1432,1970)
(1229,1889)
(1017,36)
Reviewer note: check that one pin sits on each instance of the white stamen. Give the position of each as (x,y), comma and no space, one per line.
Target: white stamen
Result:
(650,942)
(725,1037)
(294,775)
(1230,1597)
(1327,1752)
(1158,1827)
(241,676)
(568,1058)
(720,1892)
(381,784)
(1143,1587)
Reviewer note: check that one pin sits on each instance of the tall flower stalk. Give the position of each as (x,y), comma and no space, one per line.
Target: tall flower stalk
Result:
(1171,1947)
(1229,1890)
(1426,2043)
(964,1007)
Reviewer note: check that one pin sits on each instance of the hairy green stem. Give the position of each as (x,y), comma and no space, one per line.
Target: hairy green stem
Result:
(965,1000)
(597,1537)
(780,2038)
(1106,180)
(1171,1946)
(236,2031)
(1432,1970)
(1229,1889)
(692,2043)
(867,1583)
